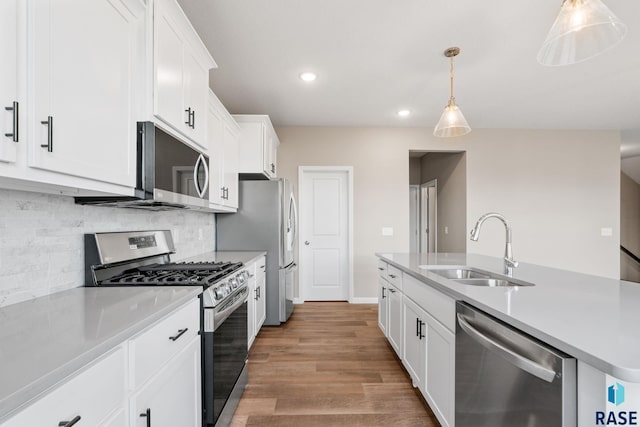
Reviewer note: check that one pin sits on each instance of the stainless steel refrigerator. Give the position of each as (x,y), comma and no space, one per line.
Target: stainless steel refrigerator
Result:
(266,221)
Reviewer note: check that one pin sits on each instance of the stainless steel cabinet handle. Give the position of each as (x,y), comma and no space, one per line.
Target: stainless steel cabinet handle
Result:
(393,291)
(420,334)
(383,295)
(511,356)
(70,423)
(14,134)
(380,268)
(192,119)
(147,414)
(273,168)
(393,276)
(306,242)
(49,144)
(179,334)
(417,327)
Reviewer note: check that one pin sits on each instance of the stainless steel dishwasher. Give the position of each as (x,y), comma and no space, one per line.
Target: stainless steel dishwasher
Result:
(506,378)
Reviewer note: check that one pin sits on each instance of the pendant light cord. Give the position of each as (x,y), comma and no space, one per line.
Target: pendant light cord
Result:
(451,99)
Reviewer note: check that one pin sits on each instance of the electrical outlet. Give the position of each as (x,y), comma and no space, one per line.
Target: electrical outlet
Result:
(606,232)
(387,231)
(446,230)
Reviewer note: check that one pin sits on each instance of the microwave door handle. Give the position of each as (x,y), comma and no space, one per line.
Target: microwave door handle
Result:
(201,162)
(511,356)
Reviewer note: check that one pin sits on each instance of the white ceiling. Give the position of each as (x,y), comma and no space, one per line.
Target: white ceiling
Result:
(374,57)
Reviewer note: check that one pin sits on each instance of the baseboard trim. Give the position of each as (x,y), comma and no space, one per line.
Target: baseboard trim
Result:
(367,300)
(298,301)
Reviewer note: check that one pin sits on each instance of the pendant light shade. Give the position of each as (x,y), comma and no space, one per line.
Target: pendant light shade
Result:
(452,122)
(582,30)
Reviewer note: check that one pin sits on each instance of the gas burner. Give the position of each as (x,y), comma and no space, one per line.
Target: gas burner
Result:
(194,274)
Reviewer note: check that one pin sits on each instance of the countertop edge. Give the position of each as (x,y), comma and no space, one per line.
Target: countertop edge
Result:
(622,373)
(28,395)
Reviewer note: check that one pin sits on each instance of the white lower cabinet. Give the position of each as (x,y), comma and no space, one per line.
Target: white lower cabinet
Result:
(415,342)
(257,300)
(383,305)
(419,323)
(90,397)
(439,383)
(395,321)
(156,373)
(172,397)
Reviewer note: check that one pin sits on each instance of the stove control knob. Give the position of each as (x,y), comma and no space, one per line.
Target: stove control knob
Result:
(240,278)
(218,294)
(233,283)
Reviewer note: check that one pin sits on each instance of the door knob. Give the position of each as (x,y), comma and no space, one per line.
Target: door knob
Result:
(306,242)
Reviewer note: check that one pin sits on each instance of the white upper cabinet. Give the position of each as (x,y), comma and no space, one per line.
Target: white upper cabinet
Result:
(181,73)
(9,103)
(259,145)
(83,59)
(223,149)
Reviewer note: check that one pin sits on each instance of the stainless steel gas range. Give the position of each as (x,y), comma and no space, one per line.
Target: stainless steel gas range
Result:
(142,258)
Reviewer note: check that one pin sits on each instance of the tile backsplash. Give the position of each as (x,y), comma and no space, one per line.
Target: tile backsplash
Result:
(42,246)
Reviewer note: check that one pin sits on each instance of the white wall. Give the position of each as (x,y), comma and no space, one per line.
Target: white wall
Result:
(41,239)
(557,188)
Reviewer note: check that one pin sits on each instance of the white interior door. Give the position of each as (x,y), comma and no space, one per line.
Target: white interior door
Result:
(324,229)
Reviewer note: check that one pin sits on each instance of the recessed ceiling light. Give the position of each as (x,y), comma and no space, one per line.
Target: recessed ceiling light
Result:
(404,113)
(308,77)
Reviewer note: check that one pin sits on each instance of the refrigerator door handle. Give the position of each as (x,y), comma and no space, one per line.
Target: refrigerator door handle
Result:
(294,221)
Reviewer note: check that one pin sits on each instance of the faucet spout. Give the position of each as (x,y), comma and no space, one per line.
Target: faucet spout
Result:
(509,262)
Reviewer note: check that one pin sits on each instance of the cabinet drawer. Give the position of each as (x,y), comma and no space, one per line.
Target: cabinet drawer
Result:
(382,268)
(394,276)
(154,347)
(438,305)
(93,394)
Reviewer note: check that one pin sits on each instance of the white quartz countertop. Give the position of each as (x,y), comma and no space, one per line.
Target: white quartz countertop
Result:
(594,319)
(245,257)
(46,339)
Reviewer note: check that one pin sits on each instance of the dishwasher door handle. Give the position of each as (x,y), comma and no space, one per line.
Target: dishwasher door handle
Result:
(511,356)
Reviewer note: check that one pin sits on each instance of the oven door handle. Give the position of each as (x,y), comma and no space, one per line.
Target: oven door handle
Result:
(220,316)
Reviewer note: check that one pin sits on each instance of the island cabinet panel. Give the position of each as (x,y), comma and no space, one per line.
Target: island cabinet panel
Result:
(415,342)
(395,321)
(383,305)
(437,304)
(438,387)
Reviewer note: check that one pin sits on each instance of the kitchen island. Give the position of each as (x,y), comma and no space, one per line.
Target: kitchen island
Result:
(591,318)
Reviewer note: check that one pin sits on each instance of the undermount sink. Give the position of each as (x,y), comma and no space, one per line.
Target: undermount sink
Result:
(473,276)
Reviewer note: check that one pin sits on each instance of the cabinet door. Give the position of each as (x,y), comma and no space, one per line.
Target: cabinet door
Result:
(168,68)
(440,375)
(173,396)
(84,58)
(9,105)
(267,152)
(231,154)
(119,419)
(395,322)
(383,305)
(415,342)
(261,312)
(215,135)
(196,87)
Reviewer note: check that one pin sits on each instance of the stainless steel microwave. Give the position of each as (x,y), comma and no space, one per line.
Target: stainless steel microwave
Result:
(169,175)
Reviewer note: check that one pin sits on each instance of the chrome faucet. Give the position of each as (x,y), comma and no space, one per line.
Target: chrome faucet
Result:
(509,262)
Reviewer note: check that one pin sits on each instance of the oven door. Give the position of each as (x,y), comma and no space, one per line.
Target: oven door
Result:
(224,354)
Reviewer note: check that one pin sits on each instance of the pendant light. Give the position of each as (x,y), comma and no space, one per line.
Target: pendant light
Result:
(452,122)
(582,30)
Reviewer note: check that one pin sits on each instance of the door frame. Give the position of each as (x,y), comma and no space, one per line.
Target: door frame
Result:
(301,173)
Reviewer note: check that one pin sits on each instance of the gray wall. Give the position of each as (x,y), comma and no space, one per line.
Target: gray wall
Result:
(415,171)
(629,226)
(450,169)
(41,239)
(558,189)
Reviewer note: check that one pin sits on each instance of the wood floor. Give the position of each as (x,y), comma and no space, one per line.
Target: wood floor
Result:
(329,365)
